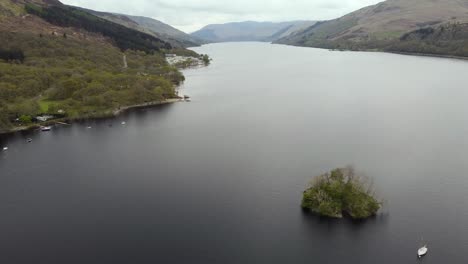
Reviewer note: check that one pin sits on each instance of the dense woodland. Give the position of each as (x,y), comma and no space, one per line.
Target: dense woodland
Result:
(73,66)
(47,73)
(341,192)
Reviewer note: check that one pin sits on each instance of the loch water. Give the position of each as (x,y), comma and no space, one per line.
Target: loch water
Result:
(220,179)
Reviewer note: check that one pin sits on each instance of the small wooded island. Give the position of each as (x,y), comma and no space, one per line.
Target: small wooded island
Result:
(341,192)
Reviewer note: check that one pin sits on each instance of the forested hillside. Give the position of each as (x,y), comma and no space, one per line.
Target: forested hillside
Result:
(62,61)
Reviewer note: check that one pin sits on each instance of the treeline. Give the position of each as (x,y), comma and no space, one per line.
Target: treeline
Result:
(341,192)
(12,55)
(125,38)
(79,77)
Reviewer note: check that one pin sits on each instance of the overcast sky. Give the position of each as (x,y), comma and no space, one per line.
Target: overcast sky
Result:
(191,15)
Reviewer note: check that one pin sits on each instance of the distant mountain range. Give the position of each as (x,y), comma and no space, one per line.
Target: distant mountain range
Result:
(250,31)
(437,27)
(153,27)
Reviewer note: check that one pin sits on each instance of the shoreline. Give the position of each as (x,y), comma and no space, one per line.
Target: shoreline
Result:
(443,56)
(105,114)
(427,55)
(123,109)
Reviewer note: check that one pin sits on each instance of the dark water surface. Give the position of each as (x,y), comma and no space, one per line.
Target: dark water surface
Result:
(219,180)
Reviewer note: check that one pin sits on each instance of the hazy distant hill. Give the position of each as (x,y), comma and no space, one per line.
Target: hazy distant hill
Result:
(249,31)
(153,27)
(422,26)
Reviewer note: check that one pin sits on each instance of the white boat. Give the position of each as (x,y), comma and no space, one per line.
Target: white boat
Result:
(123,123)
(422,251)
(46,128)
(29,140)
(5,149)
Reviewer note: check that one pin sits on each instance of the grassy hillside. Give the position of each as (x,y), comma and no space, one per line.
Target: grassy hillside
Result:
(152,27)
(383,27)
(292,29)
(67,68)
(8,8)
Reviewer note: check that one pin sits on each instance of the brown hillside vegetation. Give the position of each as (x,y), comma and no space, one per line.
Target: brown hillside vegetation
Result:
(382,26)
(34,25)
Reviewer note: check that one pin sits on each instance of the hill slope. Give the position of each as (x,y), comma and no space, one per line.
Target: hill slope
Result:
(66,16)
(61,61)
(385,25)
(166,32)
(249,31)
(151,26)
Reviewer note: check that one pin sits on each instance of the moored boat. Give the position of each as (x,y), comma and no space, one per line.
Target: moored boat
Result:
(46,128)
(422,251)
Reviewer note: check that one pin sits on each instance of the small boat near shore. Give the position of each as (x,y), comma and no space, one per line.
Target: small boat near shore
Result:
(46,128)
(187,98)
(29,140)
(5,148)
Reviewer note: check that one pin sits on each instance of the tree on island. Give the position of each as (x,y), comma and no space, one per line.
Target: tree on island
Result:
(341,192)
(206,59)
